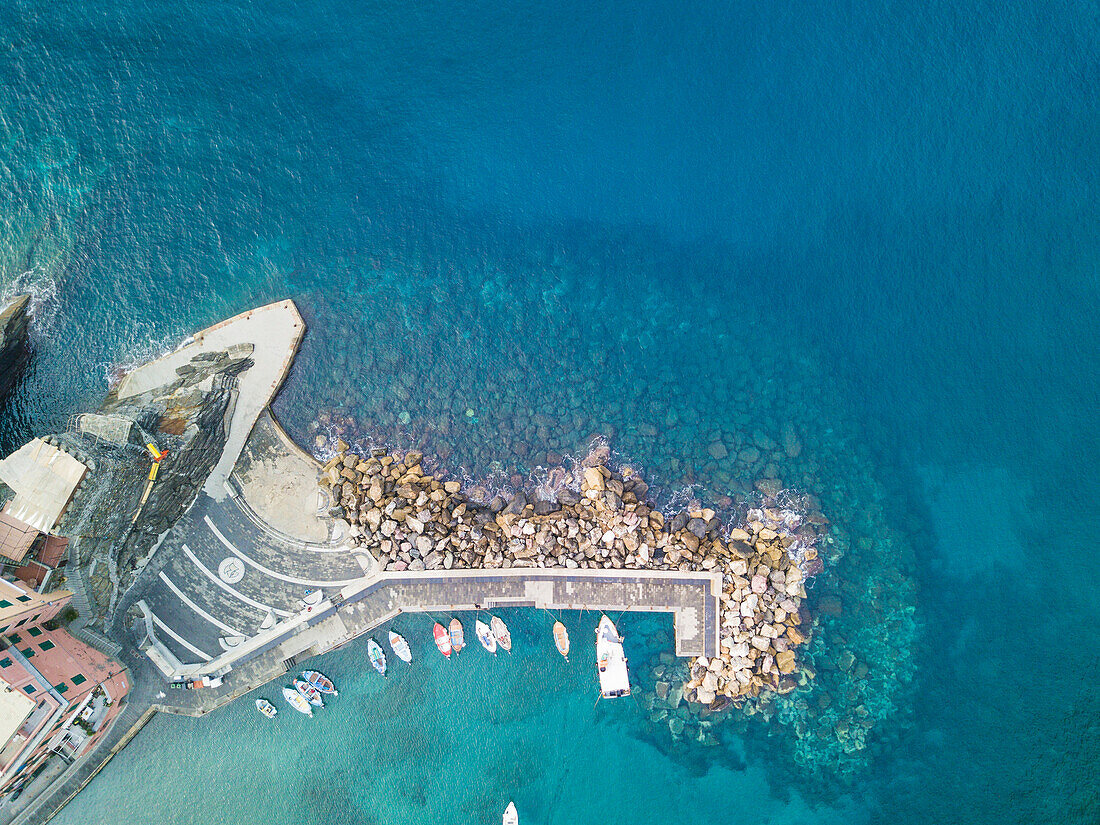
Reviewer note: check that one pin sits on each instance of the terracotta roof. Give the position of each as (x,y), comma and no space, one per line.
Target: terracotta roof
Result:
(52,551)
(16,537)
(32,573)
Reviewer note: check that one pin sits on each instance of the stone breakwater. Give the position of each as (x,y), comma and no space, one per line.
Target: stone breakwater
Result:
(592,516)
(757,410)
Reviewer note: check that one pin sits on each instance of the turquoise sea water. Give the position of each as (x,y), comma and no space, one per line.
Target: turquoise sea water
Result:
(869,229)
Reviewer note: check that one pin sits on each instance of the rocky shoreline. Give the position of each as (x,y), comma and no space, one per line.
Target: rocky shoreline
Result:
(593,516)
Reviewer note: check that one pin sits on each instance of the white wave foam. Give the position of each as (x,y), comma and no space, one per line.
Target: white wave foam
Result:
(138,347)
(42,287)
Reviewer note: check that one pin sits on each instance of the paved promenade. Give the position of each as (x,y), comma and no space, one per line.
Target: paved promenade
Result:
(233,568)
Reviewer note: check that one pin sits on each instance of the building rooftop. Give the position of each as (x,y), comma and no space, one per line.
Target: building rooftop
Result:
(16,537)
(44,479)
(18,598)
(14,710)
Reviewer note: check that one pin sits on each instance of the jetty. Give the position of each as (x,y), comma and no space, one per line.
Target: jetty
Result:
(277,557)
(207,549)
(229,589)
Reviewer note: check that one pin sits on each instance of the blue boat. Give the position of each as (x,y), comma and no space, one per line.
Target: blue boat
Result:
(320,681)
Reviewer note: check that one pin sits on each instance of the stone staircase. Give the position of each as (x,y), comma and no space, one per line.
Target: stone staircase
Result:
(75,582)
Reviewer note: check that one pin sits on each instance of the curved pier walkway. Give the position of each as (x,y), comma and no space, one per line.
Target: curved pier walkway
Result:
(247,586)
(348,612)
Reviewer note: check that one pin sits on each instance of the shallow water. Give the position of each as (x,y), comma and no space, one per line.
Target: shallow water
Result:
(438,741)
(872,230)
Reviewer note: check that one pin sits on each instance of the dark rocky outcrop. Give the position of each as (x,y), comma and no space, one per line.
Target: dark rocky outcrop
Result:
(117,517)
(14,341)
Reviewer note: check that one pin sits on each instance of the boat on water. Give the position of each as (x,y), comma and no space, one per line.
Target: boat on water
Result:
(511,816)
(442,639)
(297,701)
(561,639)
(266,708)
(377,656)
(400,647)
(320,681)
(458,640)
(309,693)
(485,636)
(500,630)
(611,661)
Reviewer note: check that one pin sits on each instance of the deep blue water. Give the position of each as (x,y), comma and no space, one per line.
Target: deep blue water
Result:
(510,229)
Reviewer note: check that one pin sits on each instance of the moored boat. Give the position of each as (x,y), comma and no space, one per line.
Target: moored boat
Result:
(442,639)
(309,693)
(266,708)
(320,681)
(297,701)
(511,816)
(500,630)
(377,656)
(458,640)
(400,647)
(561,639)
(485,636)
(611,661)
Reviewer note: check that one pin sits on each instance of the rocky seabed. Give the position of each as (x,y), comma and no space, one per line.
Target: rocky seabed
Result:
(506,392)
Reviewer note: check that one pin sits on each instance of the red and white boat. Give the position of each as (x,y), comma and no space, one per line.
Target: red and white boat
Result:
(442,639)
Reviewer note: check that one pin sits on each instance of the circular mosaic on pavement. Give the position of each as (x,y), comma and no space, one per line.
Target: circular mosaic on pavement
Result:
(231,570)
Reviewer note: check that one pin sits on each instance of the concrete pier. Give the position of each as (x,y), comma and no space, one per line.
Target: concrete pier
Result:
(691,598)
(227,590)
(357,609)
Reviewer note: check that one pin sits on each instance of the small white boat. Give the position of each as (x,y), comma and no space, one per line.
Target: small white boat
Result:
(561,639)
(485,636)
(511,817)
(377,656)
(297,701)
(309,693)
(611,661)
(266,708)
(400,647)
(320,681)
(500,630)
